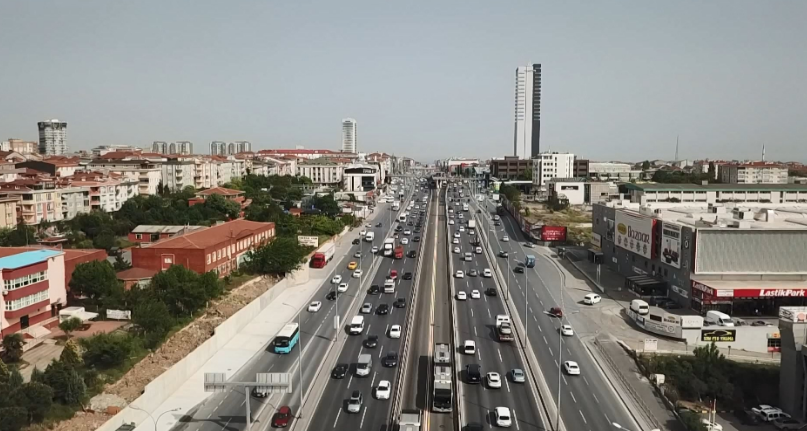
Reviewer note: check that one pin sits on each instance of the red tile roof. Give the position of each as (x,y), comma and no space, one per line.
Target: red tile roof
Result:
(220,191)
(296,151)
(204,238)
(136,274)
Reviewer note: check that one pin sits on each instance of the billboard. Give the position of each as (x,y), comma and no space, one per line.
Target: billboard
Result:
(311,241)
(634,232)
(553,233)
(718,335)
(671,244)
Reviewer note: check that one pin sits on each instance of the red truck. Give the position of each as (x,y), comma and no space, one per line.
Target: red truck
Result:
(399,252)
(323,256)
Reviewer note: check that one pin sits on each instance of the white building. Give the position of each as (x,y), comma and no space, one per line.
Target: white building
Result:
(349,138)
(753,173)
(322,172)
(528,112)
(361,178)
(52,137)
(147,173)
(178,172)
(606,171)
(221,148)
(546,166)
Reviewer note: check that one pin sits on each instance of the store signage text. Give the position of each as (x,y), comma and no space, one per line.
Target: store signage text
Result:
(724,335)
(770,293)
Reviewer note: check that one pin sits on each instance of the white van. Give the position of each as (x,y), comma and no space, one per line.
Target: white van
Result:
(502,318)
(357,325)
(717,318)
(364,365)
(639,307)
(469,347)
(389,286)
(369,237)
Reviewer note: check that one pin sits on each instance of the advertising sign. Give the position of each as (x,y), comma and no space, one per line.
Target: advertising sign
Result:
(119,314)
(609,234)
(671,244)
(553,233)
(311,241)
(770,293)
(634,232)
(793,314)
(724,335)
(596,240)
(696,285)
(650,344)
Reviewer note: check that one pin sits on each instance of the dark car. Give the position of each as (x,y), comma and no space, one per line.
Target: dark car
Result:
(473,373)
(473,273)
(339,371)
(479,211)
(356,241)
(410,224)
(379,225)
(399,303)
(497,223)
(490,291)
(412,253)
(374,290)
(382,309)
(474,426)
(746,417)
(371,341)
(503,254)
(331,295)
(519,269)
(260,393)
(282,417)
(407,276)
(416,239)
(398,228)
(391,359)
(417,229)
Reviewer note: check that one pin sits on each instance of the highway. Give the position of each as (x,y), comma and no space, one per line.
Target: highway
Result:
(588,401)
(226,410)
(476,320)
(331,413)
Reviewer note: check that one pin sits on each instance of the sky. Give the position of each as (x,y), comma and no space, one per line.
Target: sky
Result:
(425,79)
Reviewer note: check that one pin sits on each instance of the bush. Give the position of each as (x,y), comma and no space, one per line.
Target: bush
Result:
(106,350)
(692,421)
(66,382)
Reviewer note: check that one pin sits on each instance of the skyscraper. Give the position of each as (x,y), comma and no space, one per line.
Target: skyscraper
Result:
(349,139)
(527,142)
(52,137)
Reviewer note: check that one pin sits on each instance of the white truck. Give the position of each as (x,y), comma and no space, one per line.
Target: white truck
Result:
(504,328)
(396,206)
(389,245)
(409,420)
(471,224)
(370,236)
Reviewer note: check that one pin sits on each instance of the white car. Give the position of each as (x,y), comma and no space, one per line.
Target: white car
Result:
(407,232)
(368,225)
(455,241)
(502,417)
(457,235)
(529,245)
(461,296)
(404,241)
(342,288)
(395,331)
(456,249)
(591,299)
(462,228)
(336,279)
(571,368)
(366,308)
(506,238)
(363,232)
(314,306)
(475,294)
(566,330)
(357,273)
(451,221)
(494,380)
(383,390)
(357,254)
(459,274)
(375,249)
(487,273)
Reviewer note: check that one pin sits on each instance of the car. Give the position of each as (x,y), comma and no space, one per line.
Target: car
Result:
(367,308)
(451,221)
(404,241)
(505,238)
(503,253)
(461,296)
(398,228)
(407,276)
(282,417)
(473,373)
(357,273)
(475,294)
(314,306)
(352,265)
(374,250)
(566,330)
(332,295)
(457,249)
(462,228)
(501,417)
(591,299)
(412,253)
(517,375)
(399,303)
(416,239)
(363,232)
(407,232)
(473,273)
(371,341)
(571,368)
(382,309)
(355,402)
(490,291)
(519,269)
(393,274)
(342,288)
(459,274)
(556,312)
(356,241)
(395,331)
(493,380)
(336,279)
(357,255)
(782,424)
(529,245)
(379,225)
(457,235)
(340,371)
(374,290)
(409,223)
(383,390)
(469,347)
(455,241)
(460,216)
(487,273)
(390,359)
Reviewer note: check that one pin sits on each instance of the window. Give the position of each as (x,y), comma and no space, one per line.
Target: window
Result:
(25,280)
(26,301)
(138,236)
(208,258)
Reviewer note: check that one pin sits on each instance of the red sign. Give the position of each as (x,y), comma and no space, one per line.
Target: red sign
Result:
(696,285)
(771,293)
(553,233)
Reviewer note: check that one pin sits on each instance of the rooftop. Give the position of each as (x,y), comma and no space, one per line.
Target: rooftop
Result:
(220,191)
(203,238)
(136,274)
(145,228)
(69,254)
(717,217)
(26,258)
(715,187)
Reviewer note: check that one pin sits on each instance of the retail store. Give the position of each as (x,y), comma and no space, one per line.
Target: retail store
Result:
(747,298)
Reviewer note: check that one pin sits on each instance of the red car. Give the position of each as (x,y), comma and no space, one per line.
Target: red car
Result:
(282,418)
(556,312)
(393,274)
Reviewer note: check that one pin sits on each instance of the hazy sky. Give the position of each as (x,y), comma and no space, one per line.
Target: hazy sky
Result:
(426,79)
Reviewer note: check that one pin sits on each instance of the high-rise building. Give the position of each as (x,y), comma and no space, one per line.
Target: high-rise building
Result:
(218,148)
(546,166)
(349,139)
(527,142)
(52,137)
(159,147)
(184,148)
(222,148)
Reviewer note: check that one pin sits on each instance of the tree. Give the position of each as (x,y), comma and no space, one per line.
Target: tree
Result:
(15,379)
(120,263)
(37,375)
(153,317)
(326,204)
(106,350)
(281,256)
(68,386)
(70,325)
(645,165)
(525,175)
(183,291)
(70,355)
(12,345)
(36,399)
(20,236)
(97,281)
(13,418)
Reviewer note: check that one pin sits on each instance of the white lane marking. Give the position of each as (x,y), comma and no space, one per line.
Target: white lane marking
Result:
(550,352)
(500,355)
(606,418)
(338,412)
(556,363)
(243,402)
(564,379)
(596,399)
(363,413)
(544,337)
(475,334)
(584,418)
(515,419)
(472,312)
(530,310)
(479,355)
(542,302)
(368,327)
(372,383)
(489,315)
(350,380)
(386,330)
(380,352)
(486,298)
(586,380)
(573,398)
(507,383)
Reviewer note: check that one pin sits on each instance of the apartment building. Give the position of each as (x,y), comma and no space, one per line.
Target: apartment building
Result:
(40,199)
(753,173)
(178,172)
(57,166)
(106,192)
(75,201)
(546,166)
(52,137)
(34,289)
(20,146)
(147,173)
(610,171)
(322,172)
(508,168)
(8,210)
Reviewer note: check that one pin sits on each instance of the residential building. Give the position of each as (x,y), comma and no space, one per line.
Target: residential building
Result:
(236,196)
(10,172)
(33,288)
(178,172)
(205,173)
(527,142)
(220,148)
(300,153)
(57,166)
(20,146)
(8,210)
(361,178)
(581,191)
(184,148)
(102,150)
(75,201)
(52,137)
(160,147)
(581,168)
(322,172)
(753,173)
(546,166)
(509,168)
(146,172)
(349,136)
(608,171)
(146,234)
(136,277)
(40,199)
(220,248)
(107,192)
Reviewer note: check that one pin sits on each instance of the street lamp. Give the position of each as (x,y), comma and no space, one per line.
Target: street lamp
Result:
(300,352)
(560,343)
(154,421)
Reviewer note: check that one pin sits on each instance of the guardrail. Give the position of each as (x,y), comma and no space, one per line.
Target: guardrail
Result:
(458,419)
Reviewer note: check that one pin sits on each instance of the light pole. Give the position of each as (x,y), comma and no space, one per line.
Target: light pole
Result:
(560,345)
(300,354)
(155,421)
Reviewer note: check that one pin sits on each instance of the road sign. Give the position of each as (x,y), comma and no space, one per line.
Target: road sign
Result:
(215,382)
(650,344)
(274,383)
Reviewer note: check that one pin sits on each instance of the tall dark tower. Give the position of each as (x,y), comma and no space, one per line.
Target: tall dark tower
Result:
(527,142)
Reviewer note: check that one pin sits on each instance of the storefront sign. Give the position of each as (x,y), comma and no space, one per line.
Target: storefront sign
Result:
(770,293)
(666,329)
(311,241)
(696,285)
(724,293)
(671,318)
(634,232)
(553,233)
(596,240)
(650,344)
(679,290)
(639,271)
(671,244)
(724,335)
